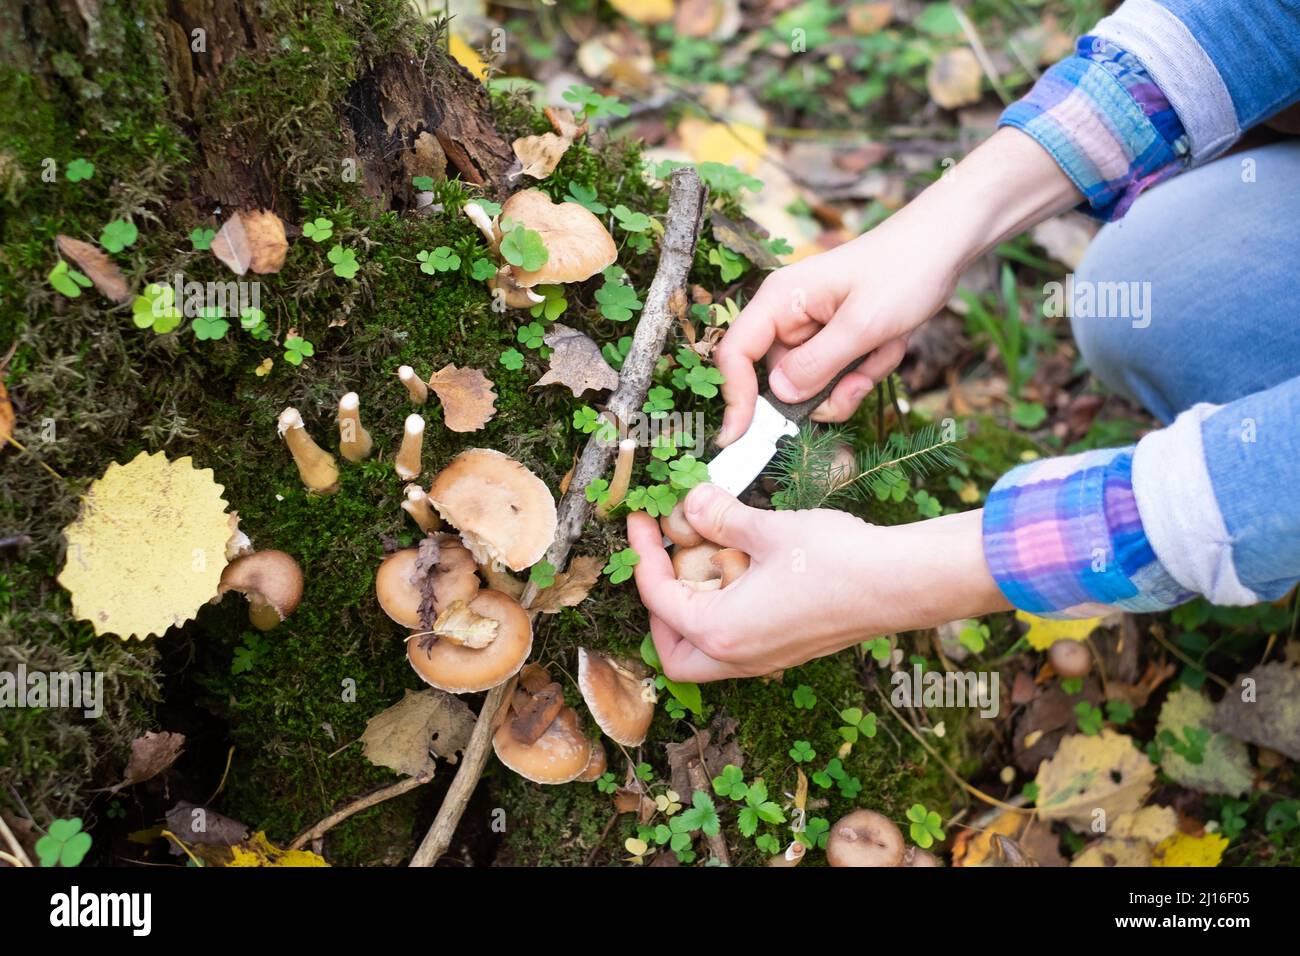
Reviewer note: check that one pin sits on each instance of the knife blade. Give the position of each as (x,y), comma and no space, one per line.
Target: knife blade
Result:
(736,466)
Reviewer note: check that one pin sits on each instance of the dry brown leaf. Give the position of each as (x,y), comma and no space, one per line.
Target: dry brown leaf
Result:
(1089,773)
(865,19)
(954,78)
(744,237)
(461,625)
(97,266)
(1265,711)
(151,754)
(401,737)
(251,239)
(468,401)
(571,587)
(564,123)
(540,154)
(199,826)
(576,362)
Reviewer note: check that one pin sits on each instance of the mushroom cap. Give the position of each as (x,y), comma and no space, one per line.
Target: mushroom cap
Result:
(615,695)
(865,838)
(503,511)
(454,574)
(577,243)
(696,562)
(677,529)
(1070,658)
(465,670)
(265,577)
(596,765)
(512,293)
(731,564)
(395,587)
(559,755)
(915,856)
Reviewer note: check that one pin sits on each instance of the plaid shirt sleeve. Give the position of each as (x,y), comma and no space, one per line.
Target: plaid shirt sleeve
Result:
(1106,123)
(1063,539)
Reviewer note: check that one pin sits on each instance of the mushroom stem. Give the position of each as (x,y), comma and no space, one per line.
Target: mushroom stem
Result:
(316,466)
(478,215)
(417,506)
(415,385)
(678,530)
(622,476)
(408,462)
(791,857)
(354,441)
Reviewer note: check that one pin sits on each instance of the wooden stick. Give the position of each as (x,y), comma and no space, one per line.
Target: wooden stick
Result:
(18,852)
(665,301)
(405,785)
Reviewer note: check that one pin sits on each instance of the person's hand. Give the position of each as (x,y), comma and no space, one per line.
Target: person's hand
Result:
(812,319)
(818,581)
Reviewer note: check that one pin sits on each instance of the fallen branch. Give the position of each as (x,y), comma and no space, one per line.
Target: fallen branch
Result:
(665,302)
(405,785)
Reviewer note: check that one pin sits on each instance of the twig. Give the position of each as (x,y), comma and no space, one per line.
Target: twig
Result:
(595,847)
(664,301)
(981,54)
(19,852)
(700,782)
(405,785)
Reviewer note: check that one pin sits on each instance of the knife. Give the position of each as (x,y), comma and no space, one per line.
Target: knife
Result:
(737,465)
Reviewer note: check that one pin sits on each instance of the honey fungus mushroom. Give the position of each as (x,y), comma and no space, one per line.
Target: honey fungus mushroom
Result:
(505,513)
(560,755)
(621,701)
(865,838)
(695,566)
(270,580)
(577,243)
(460,669)
(1070,658)
(398,581)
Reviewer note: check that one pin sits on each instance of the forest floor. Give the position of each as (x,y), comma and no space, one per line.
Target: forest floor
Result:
(811,122)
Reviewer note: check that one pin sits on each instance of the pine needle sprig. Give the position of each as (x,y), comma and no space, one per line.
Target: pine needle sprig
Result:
(810,474)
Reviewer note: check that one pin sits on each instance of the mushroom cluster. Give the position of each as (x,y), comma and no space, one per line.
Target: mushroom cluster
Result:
(542,739)
(700,564)
(577,244)
(868,838)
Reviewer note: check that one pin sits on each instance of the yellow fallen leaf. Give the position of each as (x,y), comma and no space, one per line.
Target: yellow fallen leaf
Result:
(264,367)
(468,57)
(1093,779)
(1153,824)
(1113,851)
(645,11)
(148,548)
(540,154)
(257,850)
(1183,850)
(1043,632)
(954,78)
(733,144)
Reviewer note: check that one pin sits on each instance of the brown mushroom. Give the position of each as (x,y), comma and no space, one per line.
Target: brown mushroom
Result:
(503,511)
(408,462)
(316,466)
(621,699)
(415,386)
(915,856)
(596,766)
(466,670)
(622,477)
(696,563)
(560,755)
(270,580)
(677,529)
(511,292)
(354,441)
(417,506)
(577,243)
(453,576)
(731,564)
(792,855)
(397,587)
(865,838)
(1070,658)
(535,711)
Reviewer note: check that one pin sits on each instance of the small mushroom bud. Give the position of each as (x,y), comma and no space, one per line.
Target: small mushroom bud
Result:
(415,385)
(408,462)
(696,563)
(622,476)
(791,857)
(915,856)
(316,466)
(270,580)
(730,563)
(865,838)
(1070,658)
(354,440)
(418,507)
(479,217)
(677,529)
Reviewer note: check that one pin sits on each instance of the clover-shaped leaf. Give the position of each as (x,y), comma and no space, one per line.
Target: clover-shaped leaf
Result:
(620,565)
(927,826)
(857,723)
(118,234)
(703,380)
(482,270)
(318,229)
(802,752)
(79,169)
(67,280)
(631,221)
(201,238)
(687,472)
(531,335)
(524,247)
(345,262)
(803,697)
(512,359)
(210,325)
(441,259)
(156,309)
(296,349)
(542,574)
(586,198)
(731,265)
(64,844)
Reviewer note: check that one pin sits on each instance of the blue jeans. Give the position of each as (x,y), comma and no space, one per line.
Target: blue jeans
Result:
(1219,251)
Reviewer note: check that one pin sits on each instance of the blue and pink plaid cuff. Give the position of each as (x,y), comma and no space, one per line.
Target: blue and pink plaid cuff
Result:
(1063,539)
(1103,119)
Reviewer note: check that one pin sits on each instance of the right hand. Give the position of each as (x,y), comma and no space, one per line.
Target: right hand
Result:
(811,319)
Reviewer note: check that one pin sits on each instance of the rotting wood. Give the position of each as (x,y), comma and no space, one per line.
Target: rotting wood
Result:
(665,303)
